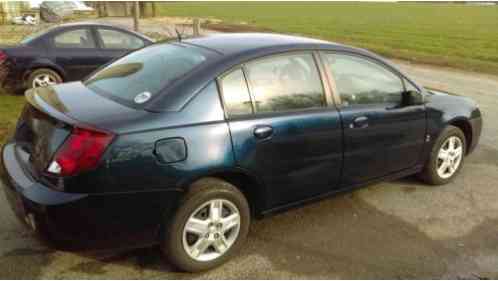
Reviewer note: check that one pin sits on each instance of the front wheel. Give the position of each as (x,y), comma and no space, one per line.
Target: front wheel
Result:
(447,156)
(209,226)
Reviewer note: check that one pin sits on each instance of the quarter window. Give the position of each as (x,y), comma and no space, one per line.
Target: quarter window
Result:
(360,81)
(79,38)
(236,94)
(285,82)
(113,39)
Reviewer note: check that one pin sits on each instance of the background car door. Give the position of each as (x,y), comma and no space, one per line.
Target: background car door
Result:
(381,136)
(76,51)
(282,129)
(115,43)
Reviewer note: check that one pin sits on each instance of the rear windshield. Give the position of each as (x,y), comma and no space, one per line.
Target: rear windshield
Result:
(137,77)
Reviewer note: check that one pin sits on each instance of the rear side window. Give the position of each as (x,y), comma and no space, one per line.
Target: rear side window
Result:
(235,94)
(285,82)
(139,76)
(79,38)
(113,39)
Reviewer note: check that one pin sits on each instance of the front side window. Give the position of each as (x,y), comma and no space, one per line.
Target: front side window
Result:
(113,39)
(235,94)
(285,82)
(139,76)
(78,38)
(360,81)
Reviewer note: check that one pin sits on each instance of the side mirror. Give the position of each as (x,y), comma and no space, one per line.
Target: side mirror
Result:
(412,98)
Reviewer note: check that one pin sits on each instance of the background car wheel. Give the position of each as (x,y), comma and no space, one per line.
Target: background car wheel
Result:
(43,77)
(209,226)
(447,156)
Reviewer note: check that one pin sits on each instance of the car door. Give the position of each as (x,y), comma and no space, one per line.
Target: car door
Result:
(283,127)
(116,43)
(75,50)
(382,135)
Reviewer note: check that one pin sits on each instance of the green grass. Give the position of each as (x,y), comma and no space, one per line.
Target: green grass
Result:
(453,35)
(10,108)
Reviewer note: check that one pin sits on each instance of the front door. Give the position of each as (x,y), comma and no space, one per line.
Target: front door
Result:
(381,134)
(283,128)
(76,51)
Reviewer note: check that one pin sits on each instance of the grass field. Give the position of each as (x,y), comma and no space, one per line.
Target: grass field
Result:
(456,35)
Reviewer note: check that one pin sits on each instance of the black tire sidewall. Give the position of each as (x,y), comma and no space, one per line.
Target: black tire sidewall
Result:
(200,193)
(430,174)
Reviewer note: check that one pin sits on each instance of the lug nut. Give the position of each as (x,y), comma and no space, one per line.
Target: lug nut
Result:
(216,236)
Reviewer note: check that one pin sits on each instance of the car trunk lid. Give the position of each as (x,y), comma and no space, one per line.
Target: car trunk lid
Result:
(51,115)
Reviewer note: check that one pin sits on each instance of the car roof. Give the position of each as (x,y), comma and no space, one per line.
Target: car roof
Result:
(233,43)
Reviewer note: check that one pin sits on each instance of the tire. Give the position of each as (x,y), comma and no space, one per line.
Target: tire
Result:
(430,173)
(177,245)
(38,75)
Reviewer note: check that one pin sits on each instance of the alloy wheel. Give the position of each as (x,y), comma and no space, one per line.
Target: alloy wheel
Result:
(449,157)
(211,230)
(44,80)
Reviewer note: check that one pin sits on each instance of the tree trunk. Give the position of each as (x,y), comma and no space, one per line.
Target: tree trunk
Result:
(136,15)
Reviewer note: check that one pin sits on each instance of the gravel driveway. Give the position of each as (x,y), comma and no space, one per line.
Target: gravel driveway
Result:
(399,229)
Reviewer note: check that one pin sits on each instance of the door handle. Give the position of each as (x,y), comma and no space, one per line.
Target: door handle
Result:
(359,122)
(263,132)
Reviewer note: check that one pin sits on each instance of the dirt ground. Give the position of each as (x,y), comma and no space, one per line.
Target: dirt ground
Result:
(399,229)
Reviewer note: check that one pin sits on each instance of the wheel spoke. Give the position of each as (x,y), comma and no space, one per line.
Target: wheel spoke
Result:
(215,210)
(443,154)
(200,247)
(229,222)
(220,244)
(196,226)
(442,169)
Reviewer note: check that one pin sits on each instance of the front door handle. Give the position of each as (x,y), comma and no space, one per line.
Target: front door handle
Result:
(263,132)
(359,122)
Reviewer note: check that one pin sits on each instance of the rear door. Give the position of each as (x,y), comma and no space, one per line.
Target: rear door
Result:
(381,134)
(76,51)
(283,127)
(116,43)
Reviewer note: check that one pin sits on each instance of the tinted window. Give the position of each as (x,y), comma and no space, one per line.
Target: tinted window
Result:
(235,94)
(285,82)
(360,81)
(113,39)
(79,38)
(142,74)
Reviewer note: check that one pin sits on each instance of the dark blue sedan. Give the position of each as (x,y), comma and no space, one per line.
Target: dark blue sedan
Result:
(185,142)
(67,52)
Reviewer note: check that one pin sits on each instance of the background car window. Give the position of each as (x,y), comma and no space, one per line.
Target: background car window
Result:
(236,94)
(286,82)
(79,38)
(360,81)
(113,39)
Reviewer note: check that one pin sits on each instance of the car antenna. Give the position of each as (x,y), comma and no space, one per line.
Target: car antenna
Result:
(178,35)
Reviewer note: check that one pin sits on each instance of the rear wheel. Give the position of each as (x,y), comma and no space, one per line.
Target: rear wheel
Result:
(210,225)
(43,77)
(446,158)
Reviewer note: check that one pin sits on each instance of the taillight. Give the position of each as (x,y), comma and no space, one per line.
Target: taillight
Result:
(3,56)
(80,152)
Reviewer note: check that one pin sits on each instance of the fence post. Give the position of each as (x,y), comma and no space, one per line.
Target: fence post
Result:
(196,27)
(136,15)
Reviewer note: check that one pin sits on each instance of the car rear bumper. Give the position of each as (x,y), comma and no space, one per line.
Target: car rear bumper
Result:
(110,220)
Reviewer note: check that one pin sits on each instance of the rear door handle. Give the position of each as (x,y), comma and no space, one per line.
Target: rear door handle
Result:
(359,122)
(263,132)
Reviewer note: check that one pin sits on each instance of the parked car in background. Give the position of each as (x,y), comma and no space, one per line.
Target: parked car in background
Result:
(191,140)
(65,53)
